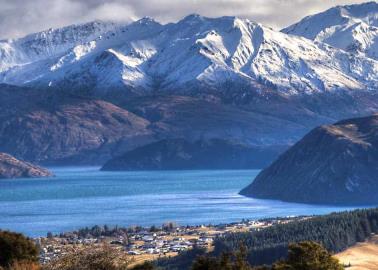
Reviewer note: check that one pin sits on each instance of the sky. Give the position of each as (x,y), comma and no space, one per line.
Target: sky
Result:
(21,17)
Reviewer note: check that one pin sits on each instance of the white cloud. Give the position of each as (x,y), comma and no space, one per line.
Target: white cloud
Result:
(112,12)
(19,17)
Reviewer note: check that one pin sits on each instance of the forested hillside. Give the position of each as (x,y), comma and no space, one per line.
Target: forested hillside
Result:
(335,232)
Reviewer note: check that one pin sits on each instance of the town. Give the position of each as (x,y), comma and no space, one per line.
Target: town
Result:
(144,244)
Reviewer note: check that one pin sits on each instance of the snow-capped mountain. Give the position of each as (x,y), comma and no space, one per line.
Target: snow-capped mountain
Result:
(49,44)
(353,28)
(193,55)
(198,79)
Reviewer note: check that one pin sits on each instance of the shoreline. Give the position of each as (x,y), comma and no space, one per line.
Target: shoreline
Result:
(76,199)
(147,243)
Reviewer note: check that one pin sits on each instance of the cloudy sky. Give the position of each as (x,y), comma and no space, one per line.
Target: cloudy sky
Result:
(20,17)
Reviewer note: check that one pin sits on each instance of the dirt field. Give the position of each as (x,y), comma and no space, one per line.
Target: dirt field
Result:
(363,256)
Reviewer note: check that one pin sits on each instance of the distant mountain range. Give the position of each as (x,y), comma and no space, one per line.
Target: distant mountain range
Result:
(87,93)
(180,154)
(198,55)
(333,164)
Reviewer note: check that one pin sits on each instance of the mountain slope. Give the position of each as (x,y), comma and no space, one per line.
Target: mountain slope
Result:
(50,43)
(11,167)
(180,154)
(56,128)
(40,126)
(334,164)
(195,55)
(353,28)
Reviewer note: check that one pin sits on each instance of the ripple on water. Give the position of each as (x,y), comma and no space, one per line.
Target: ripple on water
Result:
(85,196)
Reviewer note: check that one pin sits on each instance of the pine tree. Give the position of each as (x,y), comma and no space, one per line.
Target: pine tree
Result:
(308,256)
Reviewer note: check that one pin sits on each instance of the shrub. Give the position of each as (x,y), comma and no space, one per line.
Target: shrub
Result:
(308,256)
(14,247)
(227,261)
(144,266)
(91,258)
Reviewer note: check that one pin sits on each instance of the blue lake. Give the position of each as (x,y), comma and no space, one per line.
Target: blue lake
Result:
(79,197)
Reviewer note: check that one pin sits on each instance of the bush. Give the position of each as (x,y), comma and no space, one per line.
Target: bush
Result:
(308,256)
(144,266)
(14,247)
(227,261)
(91,258)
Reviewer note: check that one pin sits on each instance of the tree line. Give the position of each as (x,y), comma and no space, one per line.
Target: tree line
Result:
(278,246)
(336,232)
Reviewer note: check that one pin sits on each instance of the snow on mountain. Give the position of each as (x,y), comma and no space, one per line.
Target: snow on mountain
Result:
(353,28)
(194,54)
(42,45)
(77,54)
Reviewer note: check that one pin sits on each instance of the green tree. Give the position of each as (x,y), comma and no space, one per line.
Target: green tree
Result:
(241,262)
(14,247)
(153,228)
(225,261)
(206,263)
(308,256)
(144,266)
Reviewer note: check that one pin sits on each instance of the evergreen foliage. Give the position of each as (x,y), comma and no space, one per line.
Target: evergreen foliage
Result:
(336,232)
(308,256)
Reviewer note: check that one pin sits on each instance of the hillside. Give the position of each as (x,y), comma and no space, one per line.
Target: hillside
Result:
(46,127)
(180,154)
(333,164)
(336,232)
(361,256)
(11,167)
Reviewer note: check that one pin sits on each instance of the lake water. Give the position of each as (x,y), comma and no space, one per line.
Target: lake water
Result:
(79,197)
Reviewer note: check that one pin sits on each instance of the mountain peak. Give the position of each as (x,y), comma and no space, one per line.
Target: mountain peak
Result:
(200,19)
(353,28)
(147,20)
(361,10)
(193,16)
(193,54)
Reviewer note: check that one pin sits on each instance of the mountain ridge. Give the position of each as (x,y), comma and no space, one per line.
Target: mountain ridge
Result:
(198,79)
(353,28)
(180,154)
(332,164)
(194,55)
